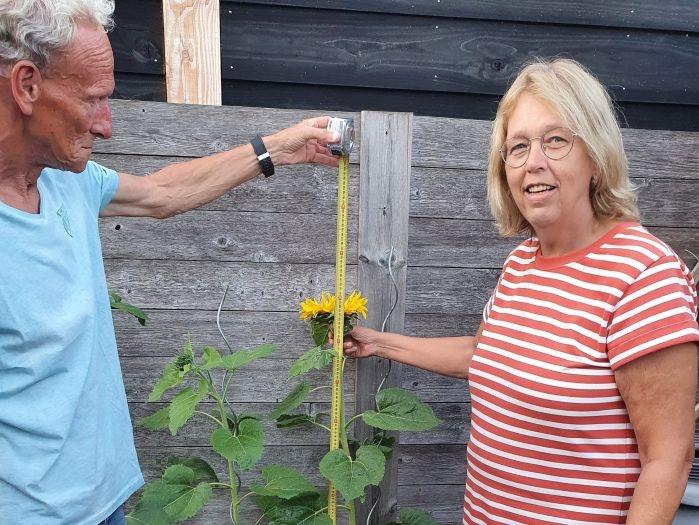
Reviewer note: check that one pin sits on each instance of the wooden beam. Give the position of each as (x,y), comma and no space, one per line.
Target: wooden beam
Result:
(384,189)
(192,51)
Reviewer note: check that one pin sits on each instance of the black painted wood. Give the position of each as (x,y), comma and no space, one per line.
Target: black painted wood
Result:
(384,54)
(676,15)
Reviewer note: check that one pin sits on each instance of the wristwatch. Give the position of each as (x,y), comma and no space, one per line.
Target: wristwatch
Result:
(262,156)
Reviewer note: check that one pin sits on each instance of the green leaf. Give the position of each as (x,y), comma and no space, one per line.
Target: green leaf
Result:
(157,420)
(316,358)
(202,470)
(177,494)
(415,517)
(183,406)
(295,420)
(169,379)
(386,444)
(291,401)
(241,358)
(350,476)
(116,303)
(244,447)
(147,513)
(282,482)
(319,331)
(211,358)
(303,510)
(400,410)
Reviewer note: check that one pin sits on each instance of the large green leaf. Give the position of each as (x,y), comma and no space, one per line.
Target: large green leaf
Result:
(210,358)
(244,447)
(295,420)
(320,327)
(167,380)
(303,510)
(282,482)
(183,406)
(157,420)
(316,358)
(148,513)
(202,470)
(241,358)
(415,517)
(350,476)
(399,409)
(291,401)
(177,493)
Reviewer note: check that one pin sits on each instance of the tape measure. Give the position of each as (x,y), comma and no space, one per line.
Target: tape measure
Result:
(336,406)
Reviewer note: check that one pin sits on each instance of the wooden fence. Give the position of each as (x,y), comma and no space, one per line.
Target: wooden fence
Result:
(417,185)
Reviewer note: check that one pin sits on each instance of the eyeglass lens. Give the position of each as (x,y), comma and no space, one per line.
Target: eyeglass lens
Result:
(555,144)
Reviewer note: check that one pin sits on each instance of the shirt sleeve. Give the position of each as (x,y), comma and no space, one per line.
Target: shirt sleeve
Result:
(99,184)
(658,310)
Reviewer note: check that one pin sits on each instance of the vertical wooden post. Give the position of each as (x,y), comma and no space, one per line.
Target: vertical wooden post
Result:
(384,190)
(192,51)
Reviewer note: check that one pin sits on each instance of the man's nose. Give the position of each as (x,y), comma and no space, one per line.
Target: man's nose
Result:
(102,126)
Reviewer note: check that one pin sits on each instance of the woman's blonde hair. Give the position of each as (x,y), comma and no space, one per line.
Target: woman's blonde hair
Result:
(585,106)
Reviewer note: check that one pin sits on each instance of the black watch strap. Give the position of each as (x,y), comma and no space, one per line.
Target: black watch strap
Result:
(262,156)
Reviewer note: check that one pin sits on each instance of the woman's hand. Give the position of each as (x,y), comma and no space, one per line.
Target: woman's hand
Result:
(362,342)
(303,143)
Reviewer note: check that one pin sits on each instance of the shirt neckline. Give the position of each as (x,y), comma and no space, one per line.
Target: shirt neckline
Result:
(552,262)
(25,214)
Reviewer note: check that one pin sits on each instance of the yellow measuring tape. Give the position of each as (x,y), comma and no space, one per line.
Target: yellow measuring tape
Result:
(339,320)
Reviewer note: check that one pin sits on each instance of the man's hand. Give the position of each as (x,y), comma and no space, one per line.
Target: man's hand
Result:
(303,143)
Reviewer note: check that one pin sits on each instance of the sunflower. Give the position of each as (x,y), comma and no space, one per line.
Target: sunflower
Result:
(310,308)
(355,304)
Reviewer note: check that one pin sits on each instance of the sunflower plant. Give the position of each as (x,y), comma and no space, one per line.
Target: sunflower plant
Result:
(355,465)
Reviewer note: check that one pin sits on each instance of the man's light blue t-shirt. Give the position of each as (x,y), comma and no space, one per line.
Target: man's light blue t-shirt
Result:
(67,455)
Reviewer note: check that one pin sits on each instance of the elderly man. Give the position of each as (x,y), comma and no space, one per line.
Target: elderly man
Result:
(66,447)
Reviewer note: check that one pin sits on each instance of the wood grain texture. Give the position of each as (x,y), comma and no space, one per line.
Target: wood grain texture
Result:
(677,15)
(446,55)
(192,51)
(157,128)
(383,252)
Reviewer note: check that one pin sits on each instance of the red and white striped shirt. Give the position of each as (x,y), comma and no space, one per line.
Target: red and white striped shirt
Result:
(551,441)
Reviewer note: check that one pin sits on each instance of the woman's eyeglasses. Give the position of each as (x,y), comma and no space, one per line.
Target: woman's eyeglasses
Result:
(555,144)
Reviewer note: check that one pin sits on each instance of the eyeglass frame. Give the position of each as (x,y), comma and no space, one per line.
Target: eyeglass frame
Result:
(541,144)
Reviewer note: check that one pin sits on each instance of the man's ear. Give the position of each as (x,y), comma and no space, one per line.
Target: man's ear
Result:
(25,82)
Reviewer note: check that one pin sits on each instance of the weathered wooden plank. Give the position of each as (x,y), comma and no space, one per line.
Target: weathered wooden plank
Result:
(676,15)
(192,51)
(200,284)
(383,256)
(379,50)
(293,189)
(225,236)
(460,194)
(165,332)
(442,324)
(443,502)
(157,128)
(263,381)
(476,244)
(433,388)
(463,144)
(432,464)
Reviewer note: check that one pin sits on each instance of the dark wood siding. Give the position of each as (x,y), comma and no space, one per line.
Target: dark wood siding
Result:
(449,58)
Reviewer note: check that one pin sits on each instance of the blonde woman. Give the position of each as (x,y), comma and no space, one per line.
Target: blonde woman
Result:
(583,371)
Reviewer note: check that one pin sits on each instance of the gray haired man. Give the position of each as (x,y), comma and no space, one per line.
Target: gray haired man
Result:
(67,454)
